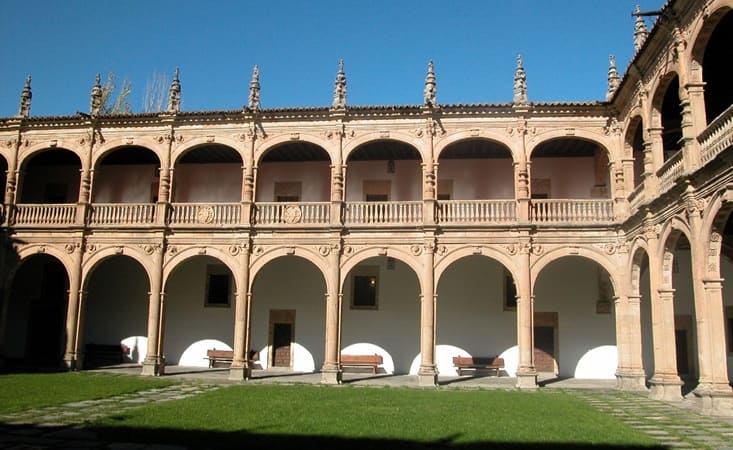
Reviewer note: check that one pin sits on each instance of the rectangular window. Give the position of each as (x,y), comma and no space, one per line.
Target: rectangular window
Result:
(510,292)
(445,189)
(288,191)
(365,288)
(218,286)
(376,190)
(540,188)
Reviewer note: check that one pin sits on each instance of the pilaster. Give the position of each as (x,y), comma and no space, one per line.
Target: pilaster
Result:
(428,372)
(331,372)
(526,372)
(154,363)
(72,352)
(241,367)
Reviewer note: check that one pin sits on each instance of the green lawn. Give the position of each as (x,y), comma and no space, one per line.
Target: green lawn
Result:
(19,392)
(355,418)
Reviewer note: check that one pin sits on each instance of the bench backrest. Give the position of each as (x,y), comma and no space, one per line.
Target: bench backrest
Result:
(213,353)
(469,361)
(368,359)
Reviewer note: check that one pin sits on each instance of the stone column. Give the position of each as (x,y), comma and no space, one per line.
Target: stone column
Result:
(154,363)
(630,375)
(337,194)
(653,160)
(666,383)
(248,179)
(692,101)
(241,368)
(331,372)
(526,372)
(11,182)
(428,372)
(164,184)
(522,190)
(72,353)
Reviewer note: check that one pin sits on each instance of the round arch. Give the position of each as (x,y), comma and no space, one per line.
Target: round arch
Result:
(63,257)
(204,141)
(394,136)
(637,252)
(91,263)
(170,266)
(462,136)
(274,142)
(703,29)
(595,138)
(659,90)
(28,154)
(362,255)
(672,230)
(712,231)
(278,252)
(584,252)
(116,144)
(464,252)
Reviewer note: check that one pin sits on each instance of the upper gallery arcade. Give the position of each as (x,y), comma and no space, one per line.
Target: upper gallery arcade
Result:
(586,239)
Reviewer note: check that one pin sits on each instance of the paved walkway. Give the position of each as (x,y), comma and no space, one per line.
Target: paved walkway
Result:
(674,426)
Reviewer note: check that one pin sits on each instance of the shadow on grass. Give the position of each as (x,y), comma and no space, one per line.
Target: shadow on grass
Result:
(199,439)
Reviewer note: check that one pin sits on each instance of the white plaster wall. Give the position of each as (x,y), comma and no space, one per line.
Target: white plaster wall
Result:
(33,182)
(124,183)
(315,178)
(187,320)
(25,288)
(406,181)
(116,306)
(473,179)
(207,183)
(578,185)
(395,325)
(569,286)
(470,312)
(292,283)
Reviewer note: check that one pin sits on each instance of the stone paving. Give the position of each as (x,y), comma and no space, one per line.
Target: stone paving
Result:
(672,425)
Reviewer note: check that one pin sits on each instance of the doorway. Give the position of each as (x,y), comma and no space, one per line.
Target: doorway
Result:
(282,336)
(545,342)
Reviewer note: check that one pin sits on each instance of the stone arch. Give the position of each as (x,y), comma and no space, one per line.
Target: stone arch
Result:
(376,136)
(62,256)
(659,89)
(585,252)
(283,251)
(25,155)
(372,252)
(273,142)
(463,252)
(182,256)
(638,250)
(670,235)
(96,258)
(595,138)
(485,135)
(202,141)
(715,217)
(115,144)
(702,30)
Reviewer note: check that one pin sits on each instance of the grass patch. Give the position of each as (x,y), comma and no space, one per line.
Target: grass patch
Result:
(327,417)
(20,392)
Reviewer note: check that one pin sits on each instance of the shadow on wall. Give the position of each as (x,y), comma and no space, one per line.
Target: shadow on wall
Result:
(302,359)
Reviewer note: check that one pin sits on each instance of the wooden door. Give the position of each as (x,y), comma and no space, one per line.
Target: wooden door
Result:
(545,341)
(282,336)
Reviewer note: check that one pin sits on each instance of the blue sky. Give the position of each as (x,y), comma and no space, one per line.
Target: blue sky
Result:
(386,45)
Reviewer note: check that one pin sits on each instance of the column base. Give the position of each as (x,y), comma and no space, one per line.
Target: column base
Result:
(667,389)
(331,375)
(427,376)
(153,367)
(714,399)
(631,381)
(527,380)
(240,372)
(73,361)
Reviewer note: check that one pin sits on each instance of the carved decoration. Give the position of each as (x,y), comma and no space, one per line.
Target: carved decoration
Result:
(172,250)
(69,248)
(290,250)
(25,99)
(416,249)
(253,102)
(324,250)
(431,88)
(202,251)
(233,250)
(259,250)
(90,248)
(210,138)
(205,214)
(511,249)
(292,214)
(119,250)
(339,88)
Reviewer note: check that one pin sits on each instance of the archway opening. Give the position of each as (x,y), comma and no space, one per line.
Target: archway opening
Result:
(574,322)
(288,318)
(3,173)
(715,70)
(475,169)
(726,272)
(116,311)
(294,172)
(129,174)
(381,310)
(199,311)
(684,309)
(476,313)
(383,171)
(50,177)
(671,111)
(640,281)
(586,160)
(635,146)
(208,173)
(35,331)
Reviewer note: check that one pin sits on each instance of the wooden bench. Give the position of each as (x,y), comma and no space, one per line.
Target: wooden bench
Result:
(214,356)
(372,361)
(102,354)
(475,364)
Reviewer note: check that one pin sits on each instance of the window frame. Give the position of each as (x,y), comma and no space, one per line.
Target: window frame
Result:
(217,270)
(365,271)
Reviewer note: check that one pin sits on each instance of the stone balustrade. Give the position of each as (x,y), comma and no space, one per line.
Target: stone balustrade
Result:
(383,213)
(291,214)
(571,211)
(101,214)
(45,214)
(636,198)
(204,214)
(476,211)
(672,169)
(717,136)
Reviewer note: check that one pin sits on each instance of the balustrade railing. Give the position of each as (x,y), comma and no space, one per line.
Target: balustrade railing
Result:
(717,136)
(204,214)
(636,197)
(292,214)
(476,211)
(45,214)
(571,211)
(122,214)
(672,169)
(383,213)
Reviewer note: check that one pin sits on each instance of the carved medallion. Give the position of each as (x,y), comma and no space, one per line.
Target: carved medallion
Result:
(205,214)
(292,214)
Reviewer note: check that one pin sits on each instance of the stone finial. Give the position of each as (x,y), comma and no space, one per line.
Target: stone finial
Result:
(95,103)
(254,90)
(25,99)
(640,31)
(613,79)
(520,83)
(339,89)
(431,87)
(174,94)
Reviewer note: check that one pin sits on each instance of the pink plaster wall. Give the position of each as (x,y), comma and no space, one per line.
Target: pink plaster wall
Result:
(570,177)
(478,178)
(208,183)
(124,183)
(315,177)
(406,181)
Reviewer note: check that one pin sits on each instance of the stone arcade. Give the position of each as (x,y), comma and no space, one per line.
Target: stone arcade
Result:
(433,230)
